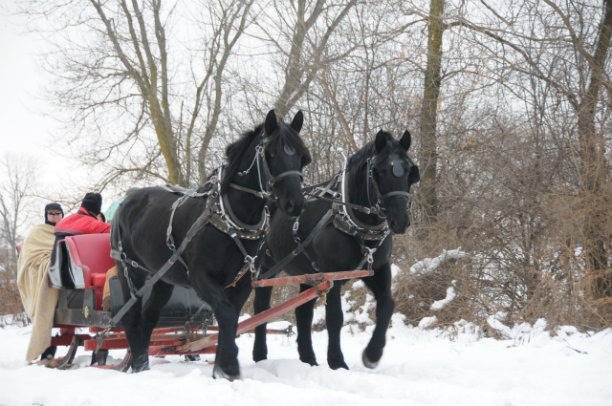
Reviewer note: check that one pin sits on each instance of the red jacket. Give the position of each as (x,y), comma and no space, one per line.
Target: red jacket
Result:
(81,222)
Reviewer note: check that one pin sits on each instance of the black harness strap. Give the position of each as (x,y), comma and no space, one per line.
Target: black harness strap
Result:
(300,248)
(195,227)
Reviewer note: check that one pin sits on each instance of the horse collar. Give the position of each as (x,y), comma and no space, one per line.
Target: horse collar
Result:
(223,218)
(345,220)
(348,224)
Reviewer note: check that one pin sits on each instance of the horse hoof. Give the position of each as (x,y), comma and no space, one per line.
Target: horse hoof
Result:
(140,367)
(337,363)
(258,358)
(310,361)
(260,355)
(219,373)
(366,362)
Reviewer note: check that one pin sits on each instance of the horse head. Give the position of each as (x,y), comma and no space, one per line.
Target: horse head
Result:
(285,155)
(391,173)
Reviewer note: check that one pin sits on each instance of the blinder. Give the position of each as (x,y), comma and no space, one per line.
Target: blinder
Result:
(398,169)
(289,150)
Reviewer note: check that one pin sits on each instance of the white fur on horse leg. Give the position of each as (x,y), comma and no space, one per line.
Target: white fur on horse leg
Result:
(366,362)
(218,373)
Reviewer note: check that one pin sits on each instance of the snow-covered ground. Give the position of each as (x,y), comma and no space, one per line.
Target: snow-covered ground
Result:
(419,367)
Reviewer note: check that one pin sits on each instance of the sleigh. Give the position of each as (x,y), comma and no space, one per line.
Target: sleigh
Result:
(186,326)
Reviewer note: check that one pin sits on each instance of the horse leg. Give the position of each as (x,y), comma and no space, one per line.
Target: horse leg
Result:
(334,320)
(303,319)
(132,320)
(380,285)
(226,358)
(261,303)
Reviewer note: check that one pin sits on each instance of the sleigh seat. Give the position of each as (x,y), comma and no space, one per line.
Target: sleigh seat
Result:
(79,272)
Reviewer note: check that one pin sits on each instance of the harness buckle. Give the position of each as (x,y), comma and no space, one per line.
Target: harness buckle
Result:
(296,225)
(250,260)
(370,256)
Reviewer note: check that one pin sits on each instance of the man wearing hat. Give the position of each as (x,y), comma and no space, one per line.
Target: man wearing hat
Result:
(32,266)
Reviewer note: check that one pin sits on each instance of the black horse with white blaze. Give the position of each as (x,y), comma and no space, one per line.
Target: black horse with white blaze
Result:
(231,217)
(371,200)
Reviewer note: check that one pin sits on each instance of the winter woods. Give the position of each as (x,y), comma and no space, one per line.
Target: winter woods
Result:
(508,103)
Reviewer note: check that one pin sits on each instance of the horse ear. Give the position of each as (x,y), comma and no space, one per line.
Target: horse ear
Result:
(381,141)
(271,123)
(297,122)
(406,140)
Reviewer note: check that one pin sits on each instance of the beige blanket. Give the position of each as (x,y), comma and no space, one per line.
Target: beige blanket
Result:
(39,300)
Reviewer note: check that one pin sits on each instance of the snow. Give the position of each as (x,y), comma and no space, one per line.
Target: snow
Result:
(441,304)
(429,265)
(420,367)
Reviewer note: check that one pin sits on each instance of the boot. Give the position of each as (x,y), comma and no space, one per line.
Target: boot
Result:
(49,353)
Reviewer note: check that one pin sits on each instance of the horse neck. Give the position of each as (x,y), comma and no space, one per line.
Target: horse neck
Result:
(246,206)
(357,194)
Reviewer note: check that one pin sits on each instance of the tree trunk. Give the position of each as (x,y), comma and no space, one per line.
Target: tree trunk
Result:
(595,172)
(428,157)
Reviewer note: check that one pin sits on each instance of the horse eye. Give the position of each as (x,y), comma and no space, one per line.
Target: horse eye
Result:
(289,150)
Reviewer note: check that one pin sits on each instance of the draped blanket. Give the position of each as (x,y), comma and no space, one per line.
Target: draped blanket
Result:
(39,300)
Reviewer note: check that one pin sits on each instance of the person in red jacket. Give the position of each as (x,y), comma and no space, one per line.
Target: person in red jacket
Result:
(84,221)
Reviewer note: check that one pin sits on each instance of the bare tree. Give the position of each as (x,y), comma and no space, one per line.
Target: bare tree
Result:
(14,191)
(300,32)
(558,48)
(428,156)
(136,87)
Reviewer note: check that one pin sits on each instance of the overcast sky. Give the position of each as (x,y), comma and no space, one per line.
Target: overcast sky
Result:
(21,81)
(28,132)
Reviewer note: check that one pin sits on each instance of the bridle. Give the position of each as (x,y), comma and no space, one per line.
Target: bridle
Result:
(398,171)
(266,179)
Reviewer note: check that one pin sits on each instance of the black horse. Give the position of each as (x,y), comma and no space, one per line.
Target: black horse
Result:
(151,223)
(371,202)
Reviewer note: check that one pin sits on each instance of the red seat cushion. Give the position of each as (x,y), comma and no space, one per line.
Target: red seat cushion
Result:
(92,253)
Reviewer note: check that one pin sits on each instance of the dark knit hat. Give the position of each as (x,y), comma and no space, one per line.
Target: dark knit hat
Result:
(92,202)
(52,207)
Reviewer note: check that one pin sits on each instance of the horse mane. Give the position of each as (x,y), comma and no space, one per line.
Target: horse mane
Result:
(367,151)
(235,152)
(361,156)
